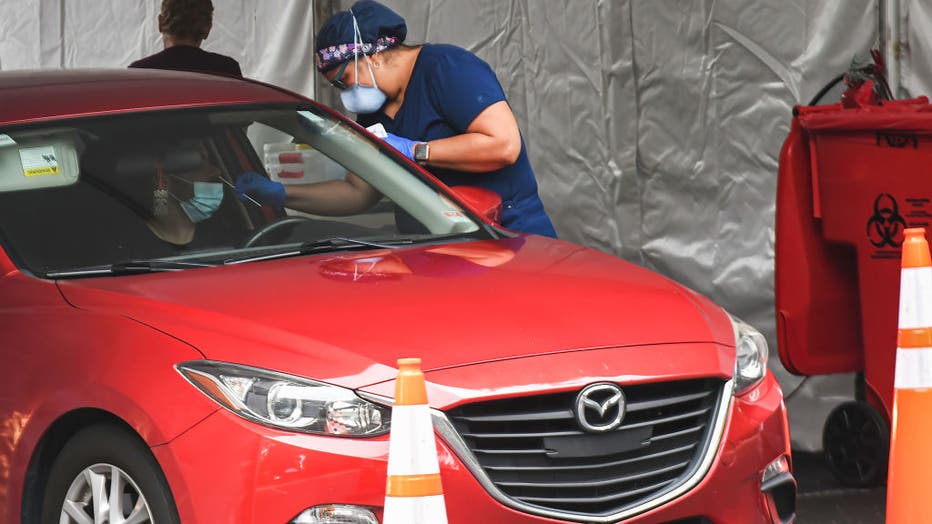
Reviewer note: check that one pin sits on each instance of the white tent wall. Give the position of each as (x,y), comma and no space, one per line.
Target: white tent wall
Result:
(271,39)
(654,126)
(914,47)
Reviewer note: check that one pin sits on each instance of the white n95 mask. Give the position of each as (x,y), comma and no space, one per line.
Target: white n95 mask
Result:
(363,99)
(356,98)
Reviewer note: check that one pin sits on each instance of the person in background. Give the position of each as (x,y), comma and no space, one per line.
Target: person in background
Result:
(184,24)
(441,105)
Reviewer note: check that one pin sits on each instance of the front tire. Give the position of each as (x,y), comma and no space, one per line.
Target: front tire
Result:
(105,470)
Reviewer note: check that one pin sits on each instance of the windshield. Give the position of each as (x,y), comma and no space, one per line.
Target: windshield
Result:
(96,192)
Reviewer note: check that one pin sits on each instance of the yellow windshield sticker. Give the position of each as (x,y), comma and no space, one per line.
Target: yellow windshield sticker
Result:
(39,161)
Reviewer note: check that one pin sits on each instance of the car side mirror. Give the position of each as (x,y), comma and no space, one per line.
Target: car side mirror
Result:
(487,202)
(6,265)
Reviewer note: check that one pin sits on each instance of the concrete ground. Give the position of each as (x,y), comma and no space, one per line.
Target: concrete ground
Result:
(822,500)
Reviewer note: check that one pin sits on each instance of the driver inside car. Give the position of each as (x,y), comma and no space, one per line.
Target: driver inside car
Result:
(184,198)
(174,195)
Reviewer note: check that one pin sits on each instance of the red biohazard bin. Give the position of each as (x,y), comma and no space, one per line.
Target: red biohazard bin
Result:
(850,181)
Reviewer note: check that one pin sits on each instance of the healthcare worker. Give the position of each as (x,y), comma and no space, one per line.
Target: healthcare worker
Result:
(441,105)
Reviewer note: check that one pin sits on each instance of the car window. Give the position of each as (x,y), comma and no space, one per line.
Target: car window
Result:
(161,185)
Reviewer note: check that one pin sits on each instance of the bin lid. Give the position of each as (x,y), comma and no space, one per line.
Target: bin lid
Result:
(914,114)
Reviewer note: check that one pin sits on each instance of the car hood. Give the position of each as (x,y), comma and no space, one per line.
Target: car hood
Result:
(346,318)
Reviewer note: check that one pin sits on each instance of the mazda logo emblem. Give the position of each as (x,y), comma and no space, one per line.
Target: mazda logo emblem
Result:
(600,407)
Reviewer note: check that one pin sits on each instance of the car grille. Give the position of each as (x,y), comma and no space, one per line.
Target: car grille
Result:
(533,450)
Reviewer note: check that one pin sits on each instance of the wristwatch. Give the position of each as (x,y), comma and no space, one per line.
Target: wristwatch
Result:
(421,152)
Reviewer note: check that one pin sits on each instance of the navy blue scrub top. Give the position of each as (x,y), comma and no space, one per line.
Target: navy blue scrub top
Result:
(449,87)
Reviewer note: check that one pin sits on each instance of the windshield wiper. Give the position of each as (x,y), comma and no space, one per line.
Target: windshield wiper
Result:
(328,245)
(128,267)
(132,267)
(339,242)
(325,245)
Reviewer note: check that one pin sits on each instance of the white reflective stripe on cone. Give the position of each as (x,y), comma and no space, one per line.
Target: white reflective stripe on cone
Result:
(412,449)
(916,298)
(913,368)
(415,510)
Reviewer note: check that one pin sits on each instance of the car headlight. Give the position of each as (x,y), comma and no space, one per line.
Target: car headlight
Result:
(287,402)
(751,355)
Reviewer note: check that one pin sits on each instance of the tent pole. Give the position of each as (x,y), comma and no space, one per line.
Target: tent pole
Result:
(891,43)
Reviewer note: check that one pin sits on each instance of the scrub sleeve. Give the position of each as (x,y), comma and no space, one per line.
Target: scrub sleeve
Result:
(448,89)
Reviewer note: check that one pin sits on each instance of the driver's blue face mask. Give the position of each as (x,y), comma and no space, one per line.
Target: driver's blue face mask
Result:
(206,201)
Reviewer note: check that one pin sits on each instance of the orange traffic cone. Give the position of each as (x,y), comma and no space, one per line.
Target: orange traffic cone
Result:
(413,493)
(910,451)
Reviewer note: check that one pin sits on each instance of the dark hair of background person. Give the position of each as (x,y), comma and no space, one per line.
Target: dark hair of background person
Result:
(187,19)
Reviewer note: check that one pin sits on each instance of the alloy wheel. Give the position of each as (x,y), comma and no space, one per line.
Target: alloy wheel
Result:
(104,494)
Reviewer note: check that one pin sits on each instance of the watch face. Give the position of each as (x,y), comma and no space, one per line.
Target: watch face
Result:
(421,151)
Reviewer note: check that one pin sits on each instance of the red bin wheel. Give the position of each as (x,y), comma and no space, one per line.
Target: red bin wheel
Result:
(856,444)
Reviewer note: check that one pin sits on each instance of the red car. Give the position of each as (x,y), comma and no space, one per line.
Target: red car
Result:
(175,353)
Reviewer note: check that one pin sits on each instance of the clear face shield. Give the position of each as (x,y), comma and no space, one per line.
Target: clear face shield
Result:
(357,98)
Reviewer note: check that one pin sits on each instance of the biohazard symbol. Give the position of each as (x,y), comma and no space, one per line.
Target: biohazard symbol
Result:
(886,226)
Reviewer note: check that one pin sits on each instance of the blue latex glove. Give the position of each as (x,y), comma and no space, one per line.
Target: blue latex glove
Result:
(401,144)
(260,188)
